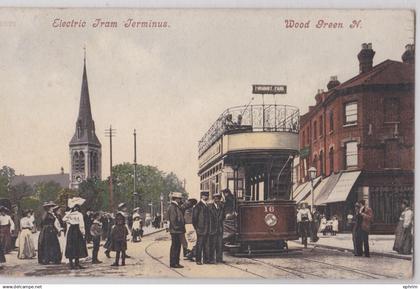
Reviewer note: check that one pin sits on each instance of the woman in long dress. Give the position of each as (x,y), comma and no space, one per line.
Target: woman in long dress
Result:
(403,233)
(25,241)
(7,226)
(48,245)
(76,243)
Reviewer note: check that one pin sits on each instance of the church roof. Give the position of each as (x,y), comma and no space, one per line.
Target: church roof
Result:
(62,179)
(85,126)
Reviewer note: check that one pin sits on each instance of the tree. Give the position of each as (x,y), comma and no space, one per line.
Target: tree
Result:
(47,191)
(64,195)
(6,175)
(92,191)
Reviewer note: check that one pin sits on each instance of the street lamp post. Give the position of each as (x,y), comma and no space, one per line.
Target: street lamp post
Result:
(312,176)
(161,210)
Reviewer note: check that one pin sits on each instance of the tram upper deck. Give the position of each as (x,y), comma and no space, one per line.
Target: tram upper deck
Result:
(250,150)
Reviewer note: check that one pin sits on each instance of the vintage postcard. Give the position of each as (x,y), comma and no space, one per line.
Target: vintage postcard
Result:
(191,143)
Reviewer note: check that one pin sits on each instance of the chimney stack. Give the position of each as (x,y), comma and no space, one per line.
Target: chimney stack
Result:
(333,82)
(318,96)
(365,57)
(408,55)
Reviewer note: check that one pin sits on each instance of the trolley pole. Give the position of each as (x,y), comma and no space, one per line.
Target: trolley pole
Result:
(110,133)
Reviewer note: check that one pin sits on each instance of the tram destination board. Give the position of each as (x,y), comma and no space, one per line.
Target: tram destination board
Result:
(269,89)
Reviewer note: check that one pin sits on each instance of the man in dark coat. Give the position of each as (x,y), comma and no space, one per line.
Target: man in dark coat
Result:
(364,219)
(201,223)
(176,229)
(217,215)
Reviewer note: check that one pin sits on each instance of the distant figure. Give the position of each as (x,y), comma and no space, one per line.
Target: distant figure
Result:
(107,244)
(25,241)
(404,231)
(176,228)
(365,216)
(7,226)
(334,226)
(156,221)
(229,201)
(48,245)
(323,225)
(96,233)
(136,229)
(304,218)
(75,242)
(355,229)
(201,223)
(119,235)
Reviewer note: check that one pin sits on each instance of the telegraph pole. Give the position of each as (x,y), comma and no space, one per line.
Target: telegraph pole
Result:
(110,133)
(135,168)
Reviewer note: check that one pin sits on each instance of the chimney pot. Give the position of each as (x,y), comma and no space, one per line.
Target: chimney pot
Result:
(409,54)
(365,57)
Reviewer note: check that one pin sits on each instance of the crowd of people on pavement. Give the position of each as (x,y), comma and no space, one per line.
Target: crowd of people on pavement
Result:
(78,228)
(359,221)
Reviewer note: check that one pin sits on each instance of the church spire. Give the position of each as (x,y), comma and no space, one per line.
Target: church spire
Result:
(85,126)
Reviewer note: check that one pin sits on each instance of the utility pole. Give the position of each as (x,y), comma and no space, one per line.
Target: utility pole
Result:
(135,168)
(110,133)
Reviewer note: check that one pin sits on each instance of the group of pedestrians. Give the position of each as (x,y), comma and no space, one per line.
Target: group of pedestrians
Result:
(207,220)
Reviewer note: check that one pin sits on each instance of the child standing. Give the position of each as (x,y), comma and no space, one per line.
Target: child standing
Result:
(335,225)
(136,228)
(119,235)
(96,233)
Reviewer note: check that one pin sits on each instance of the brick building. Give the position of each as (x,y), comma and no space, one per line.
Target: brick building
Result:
(360,137)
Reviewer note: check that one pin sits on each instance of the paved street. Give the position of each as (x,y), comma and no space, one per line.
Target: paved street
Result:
(150,260)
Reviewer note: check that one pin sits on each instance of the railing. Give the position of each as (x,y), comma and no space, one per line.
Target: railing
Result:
(268,117)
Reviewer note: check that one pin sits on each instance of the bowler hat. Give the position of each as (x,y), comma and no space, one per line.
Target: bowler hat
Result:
(49,204)
(204,193)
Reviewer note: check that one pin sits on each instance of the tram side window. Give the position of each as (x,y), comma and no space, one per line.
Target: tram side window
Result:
(240,189)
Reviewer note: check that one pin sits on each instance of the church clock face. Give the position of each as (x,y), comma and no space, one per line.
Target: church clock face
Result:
(78,179)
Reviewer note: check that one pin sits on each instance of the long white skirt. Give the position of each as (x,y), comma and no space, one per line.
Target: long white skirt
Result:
(26,245)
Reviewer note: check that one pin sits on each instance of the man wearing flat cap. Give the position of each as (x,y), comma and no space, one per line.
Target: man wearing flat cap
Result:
(201,223)
(176,228)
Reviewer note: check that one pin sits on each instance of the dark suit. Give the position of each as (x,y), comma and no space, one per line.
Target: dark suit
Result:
(217,215)
(201,223)
(364,219)
(177,229)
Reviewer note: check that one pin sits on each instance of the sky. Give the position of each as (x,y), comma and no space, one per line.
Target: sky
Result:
(170,84)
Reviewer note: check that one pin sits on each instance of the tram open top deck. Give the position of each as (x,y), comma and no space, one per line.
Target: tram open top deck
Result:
(250,150)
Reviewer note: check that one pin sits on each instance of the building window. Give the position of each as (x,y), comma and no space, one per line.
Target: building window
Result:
(391,109)
(314,130)
(331,121)
(351,154)
(321,163)
(321,126)
(350,111)
(331,157)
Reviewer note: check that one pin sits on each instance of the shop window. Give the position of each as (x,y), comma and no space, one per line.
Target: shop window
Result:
(351,154)
(350,112)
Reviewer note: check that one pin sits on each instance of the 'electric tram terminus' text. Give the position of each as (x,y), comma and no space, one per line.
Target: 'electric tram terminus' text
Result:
(102,23)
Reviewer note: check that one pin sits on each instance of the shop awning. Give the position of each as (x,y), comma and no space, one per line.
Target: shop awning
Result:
(343,187)
(318,192)
(306,190)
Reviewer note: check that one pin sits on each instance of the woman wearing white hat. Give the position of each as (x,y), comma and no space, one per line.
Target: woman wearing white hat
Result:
(76,243)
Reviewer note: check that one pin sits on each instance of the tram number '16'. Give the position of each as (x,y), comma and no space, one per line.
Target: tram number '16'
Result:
(268,209)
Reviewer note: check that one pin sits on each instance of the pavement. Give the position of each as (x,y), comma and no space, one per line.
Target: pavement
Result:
(378,244)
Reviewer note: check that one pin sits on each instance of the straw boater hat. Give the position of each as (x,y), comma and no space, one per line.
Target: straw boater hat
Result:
(176,195)
(217,195)
(121,206)
(49,204)
(75,201)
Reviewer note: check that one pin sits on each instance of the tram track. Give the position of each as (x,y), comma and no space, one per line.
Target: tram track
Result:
(159,261)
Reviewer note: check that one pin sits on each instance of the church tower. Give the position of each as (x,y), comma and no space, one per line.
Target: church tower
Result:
(85,148)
